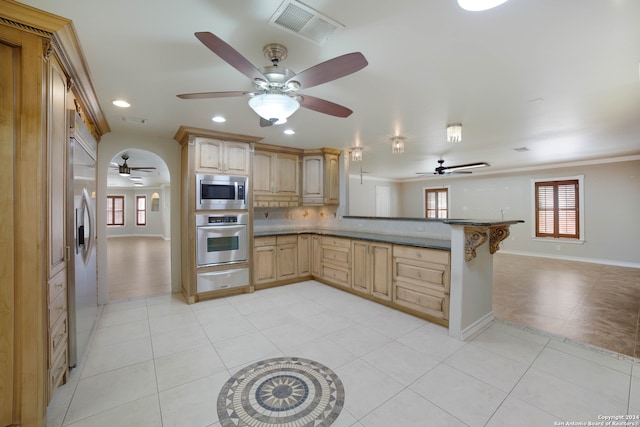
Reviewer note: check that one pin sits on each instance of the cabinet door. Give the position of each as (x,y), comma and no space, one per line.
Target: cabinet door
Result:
(209,155)
(286,174)
(360,266)
(316,256)
(236,158)
(313,181)
(57,170)
(262,173)
(265,264)
(287,261)
(380,270)
(332,180)
(304,255)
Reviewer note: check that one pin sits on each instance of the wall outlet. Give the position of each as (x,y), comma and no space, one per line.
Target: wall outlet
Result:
(420,228)
(558,248)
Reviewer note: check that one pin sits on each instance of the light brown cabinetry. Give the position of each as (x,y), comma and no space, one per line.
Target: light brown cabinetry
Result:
(321,177)
(421,280)
(371,268)
(316,255)
(276,179)
(304,255)
(336,260)
(40,59)
(275,259)
(222,157)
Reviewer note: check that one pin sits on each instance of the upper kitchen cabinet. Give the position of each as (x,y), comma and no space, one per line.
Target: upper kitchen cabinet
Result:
(222,157)
(276,176)
(321,177)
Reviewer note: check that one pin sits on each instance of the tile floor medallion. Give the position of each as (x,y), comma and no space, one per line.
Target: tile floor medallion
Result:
(282,391)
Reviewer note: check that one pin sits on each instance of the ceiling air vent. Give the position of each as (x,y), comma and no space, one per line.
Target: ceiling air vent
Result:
(304,21)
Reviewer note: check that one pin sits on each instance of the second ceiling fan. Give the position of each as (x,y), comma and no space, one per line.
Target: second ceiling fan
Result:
(444,170)
(275,96)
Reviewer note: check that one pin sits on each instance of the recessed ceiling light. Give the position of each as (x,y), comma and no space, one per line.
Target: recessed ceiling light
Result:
(121,103)
(479,5)
(138,184)
(289,131)
(219,119)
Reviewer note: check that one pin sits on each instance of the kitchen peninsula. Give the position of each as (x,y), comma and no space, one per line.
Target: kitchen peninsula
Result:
(440,270)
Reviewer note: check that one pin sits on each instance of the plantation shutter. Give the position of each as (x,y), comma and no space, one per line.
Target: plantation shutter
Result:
(557,209)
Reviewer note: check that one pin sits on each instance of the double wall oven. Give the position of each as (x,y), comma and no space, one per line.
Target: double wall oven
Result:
(222,241)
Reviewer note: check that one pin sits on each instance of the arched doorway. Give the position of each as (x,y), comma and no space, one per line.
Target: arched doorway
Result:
(138,222)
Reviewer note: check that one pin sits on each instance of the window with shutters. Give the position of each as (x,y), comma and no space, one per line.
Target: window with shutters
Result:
(115,210)
(141,210)
(436,202)
(557,209)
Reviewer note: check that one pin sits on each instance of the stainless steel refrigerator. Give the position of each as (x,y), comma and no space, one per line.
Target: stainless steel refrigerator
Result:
(81,227)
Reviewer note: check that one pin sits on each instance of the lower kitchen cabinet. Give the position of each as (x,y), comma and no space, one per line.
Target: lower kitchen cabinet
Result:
(304,255)
(275,258)
(421,280)
(336,260)
(371,268)
(316,255)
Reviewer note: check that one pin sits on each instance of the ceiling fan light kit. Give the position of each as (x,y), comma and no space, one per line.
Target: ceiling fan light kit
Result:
(479,5)
(454,133)
(274,107)
(124,170)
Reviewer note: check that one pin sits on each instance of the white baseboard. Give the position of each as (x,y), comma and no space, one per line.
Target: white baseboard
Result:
(139,235)
(571,258)
(477,327)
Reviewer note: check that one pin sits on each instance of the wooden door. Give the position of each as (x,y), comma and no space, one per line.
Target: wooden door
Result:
(7,173)
(380,270)
(209,155)
(262,173)
(287,261)
(236,158)
(265,264)
(304,255)
(360,266)
(332,180)
(316,256)
(286,174)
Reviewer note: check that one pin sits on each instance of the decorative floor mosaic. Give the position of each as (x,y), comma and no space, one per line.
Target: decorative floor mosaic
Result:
(283,391)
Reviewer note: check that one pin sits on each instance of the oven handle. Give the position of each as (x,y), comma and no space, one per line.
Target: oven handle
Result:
(221,227)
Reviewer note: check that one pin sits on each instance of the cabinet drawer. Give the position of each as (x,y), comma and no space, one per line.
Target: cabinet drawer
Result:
(421,254)
(336,256)
(58,338)
(434,276)
(336,241)
(58,371)
(430,302)
(336,275)
(288,239)
(57,284)
(259,242)
(57,307)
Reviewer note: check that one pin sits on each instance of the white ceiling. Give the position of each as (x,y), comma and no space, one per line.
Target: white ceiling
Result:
(560,77)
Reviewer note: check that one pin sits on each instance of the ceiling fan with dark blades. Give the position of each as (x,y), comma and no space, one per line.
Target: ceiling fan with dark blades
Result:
(125,170)
(458,169)
(275,96)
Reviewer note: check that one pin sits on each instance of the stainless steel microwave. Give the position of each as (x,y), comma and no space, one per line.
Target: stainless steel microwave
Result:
(214,192)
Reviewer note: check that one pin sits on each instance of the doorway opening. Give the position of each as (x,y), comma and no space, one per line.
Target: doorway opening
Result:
(138,225)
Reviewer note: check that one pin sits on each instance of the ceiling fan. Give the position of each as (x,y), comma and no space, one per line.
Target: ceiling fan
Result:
(275,96)
(458,169)
(125,170)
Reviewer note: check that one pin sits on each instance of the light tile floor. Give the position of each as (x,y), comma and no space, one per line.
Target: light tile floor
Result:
(157,361)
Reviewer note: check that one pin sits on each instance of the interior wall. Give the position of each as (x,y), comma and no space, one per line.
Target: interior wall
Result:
(611,206)
(169,150)
(362,196)
(155,224)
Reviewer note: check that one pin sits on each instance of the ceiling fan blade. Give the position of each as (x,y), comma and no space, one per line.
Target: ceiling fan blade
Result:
(330,70)
(467,166)
(324,106)
(142,168)
(229,55)
(207,95)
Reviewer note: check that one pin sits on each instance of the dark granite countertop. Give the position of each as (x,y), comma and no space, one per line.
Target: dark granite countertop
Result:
(421,242)
(450,221)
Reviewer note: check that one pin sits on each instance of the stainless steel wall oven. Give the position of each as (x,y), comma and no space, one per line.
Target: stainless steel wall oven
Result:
(221,238)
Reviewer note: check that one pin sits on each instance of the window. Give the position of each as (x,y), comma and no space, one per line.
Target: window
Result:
(115,210)
(141,210)
(557,209)
(436,203)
